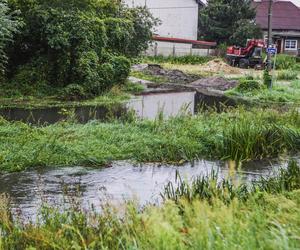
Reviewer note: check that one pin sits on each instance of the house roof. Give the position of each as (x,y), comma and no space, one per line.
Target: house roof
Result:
(286,15)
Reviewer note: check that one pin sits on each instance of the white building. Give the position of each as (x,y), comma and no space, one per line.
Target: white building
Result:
(177,34)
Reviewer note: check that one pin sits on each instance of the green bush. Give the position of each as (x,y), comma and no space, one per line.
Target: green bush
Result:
(267,79)
(121,66)
(74,92)
(81,42)
(287,75)
(246,85)
(9,25)
(285,61)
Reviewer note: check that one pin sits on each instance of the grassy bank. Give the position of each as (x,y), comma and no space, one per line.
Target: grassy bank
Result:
(237,134)
(267,218)
(282,92)
(114,96)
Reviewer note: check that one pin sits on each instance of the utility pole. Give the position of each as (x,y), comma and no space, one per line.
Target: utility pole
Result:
(270,40)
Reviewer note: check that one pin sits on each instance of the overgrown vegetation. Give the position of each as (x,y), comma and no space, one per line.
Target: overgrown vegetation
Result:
(237,135)
(280,93)
(9,25)
(288,75)
(189,59)
(82,46)
(204,215)
(227,190)
(285,62)
(246,85)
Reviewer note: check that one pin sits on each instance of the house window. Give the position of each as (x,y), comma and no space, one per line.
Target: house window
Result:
(291,44)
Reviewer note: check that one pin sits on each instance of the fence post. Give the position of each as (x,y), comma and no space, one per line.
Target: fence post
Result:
(155,49)
(174,50)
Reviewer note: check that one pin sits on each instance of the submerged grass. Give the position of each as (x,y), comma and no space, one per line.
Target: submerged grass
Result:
(268,219)
(237,134)
(115,96)
(209,188)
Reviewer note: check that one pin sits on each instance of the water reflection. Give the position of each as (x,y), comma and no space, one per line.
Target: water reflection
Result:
(28,190)
(168,104)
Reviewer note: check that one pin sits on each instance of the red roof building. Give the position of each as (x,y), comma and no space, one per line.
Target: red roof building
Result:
(285,24)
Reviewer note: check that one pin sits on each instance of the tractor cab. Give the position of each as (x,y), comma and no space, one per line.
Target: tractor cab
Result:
(245,57)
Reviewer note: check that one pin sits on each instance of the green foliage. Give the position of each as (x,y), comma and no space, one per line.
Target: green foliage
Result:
(228,21)
(237,135)
(252,140)
(9,25)
(81,42)
(278,95)
(210,188)
(134,88)
(267,78)
(121,66)
(285,62)
(245,29)
(246,85)
(287,75)
(74,92)
(178,59)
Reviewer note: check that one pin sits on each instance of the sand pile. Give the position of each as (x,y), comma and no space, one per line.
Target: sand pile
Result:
(219,66)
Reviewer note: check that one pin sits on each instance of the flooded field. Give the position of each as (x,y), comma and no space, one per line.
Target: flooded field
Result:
(147,106)
(89,186)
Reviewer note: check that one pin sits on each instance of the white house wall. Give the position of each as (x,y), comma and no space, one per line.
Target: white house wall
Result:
(176,49)
(179,17)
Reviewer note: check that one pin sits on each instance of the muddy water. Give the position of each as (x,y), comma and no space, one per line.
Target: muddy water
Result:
(87,186)
(147,106)
(168,104)
(54,114)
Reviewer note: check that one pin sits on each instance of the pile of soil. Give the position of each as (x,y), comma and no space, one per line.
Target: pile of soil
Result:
(217,83)
(174,76)
(219,66)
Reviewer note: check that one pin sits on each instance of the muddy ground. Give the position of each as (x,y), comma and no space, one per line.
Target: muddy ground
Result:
(179,77)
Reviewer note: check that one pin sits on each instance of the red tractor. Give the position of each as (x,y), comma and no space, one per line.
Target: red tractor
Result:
(250,56)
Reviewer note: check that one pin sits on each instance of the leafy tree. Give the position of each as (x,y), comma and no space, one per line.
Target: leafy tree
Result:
(8,26)
(228,21)
(245,29)
(83,42)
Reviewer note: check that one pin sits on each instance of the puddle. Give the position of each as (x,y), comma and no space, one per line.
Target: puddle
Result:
(168,104)
(147,106)
(144,182)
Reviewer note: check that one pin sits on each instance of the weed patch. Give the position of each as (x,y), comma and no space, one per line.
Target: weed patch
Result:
(237,135)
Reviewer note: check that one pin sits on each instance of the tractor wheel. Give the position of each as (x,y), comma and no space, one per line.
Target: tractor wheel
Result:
(244,63)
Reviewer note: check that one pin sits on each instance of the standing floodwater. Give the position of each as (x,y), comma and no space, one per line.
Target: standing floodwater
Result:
(168,104)
(147,106)
(144,182)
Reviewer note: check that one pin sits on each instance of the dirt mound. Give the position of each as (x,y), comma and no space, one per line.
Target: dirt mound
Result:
(174,76)
(218,83)
(219,66)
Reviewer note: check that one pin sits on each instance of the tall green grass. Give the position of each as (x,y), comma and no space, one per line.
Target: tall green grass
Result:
(268,218)
(288,75)
(285,62)
(211,188)
(237,135)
